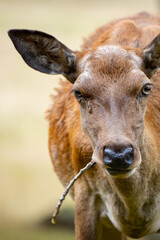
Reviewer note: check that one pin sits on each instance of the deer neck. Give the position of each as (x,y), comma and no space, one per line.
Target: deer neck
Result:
(136,198)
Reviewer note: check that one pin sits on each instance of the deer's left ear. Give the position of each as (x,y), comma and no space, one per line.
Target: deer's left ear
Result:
(45,53)
(151,57)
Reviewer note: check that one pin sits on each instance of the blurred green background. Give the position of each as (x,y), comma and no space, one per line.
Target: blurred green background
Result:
(29,190)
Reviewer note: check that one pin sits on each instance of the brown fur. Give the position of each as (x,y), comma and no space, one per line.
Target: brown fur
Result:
(136,32)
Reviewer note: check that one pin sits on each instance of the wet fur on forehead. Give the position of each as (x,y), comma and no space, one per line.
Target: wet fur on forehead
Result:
(111,60)
(108,62)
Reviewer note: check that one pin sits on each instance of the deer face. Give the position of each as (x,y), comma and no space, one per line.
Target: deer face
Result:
(112,92)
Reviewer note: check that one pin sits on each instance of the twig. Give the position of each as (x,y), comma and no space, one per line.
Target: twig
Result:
(56,211)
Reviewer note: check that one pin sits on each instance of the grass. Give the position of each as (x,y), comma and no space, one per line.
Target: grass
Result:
(29,189)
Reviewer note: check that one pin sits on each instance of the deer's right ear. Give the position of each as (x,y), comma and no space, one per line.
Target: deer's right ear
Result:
(45,53)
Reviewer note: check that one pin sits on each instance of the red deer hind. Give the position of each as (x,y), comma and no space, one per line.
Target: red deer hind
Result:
(107,111)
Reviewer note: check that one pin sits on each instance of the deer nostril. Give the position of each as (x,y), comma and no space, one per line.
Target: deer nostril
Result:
(121,159)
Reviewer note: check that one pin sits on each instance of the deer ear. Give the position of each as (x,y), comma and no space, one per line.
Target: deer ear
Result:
(45,53)
(151,57)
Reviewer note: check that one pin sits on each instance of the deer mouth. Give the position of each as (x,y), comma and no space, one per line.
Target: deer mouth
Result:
(118,173)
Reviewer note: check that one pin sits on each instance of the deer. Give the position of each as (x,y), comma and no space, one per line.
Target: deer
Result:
(106,110)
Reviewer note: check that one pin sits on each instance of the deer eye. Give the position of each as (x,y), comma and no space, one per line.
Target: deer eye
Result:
(80,98)
(77,94)
(146,90)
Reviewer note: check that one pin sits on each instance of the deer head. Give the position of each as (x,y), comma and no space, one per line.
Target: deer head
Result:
(111,84)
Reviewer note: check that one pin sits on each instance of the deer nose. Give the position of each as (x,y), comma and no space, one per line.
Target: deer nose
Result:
(120,159)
